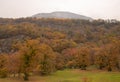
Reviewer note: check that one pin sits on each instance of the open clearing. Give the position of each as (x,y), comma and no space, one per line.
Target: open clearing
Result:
(73,76)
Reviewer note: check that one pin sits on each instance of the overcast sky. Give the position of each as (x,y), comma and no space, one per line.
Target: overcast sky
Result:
(93,8)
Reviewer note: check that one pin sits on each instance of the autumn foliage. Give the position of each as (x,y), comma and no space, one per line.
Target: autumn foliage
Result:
(43,46)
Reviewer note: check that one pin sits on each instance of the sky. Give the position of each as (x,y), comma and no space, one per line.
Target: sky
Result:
(104,9)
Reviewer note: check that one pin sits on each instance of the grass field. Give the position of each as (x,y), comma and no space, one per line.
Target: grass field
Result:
(73,76)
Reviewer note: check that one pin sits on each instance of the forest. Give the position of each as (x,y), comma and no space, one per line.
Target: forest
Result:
(43,46)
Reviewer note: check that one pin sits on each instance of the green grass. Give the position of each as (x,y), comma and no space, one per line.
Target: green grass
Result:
(73,76)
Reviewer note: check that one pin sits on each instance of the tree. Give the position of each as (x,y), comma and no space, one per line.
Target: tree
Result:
(3,70)
(101,59)
(108,57)
(69,57)
(59,61)
(82,58)
(116,46)
(13,64)
(46,59)
(113,54)
(28,51)
(59,45)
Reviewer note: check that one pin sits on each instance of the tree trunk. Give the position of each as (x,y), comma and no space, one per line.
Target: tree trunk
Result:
(26,76)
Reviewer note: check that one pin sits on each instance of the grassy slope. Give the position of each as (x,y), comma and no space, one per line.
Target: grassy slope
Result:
(73,76)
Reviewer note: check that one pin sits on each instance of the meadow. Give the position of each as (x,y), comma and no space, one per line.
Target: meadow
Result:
(72,75)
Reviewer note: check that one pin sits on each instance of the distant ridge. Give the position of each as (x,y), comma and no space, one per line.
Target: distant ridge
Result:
(61,14)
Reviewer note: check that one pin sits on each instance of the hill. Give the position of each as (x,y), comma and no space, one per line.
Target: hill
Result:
(79,31)
(60,14)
